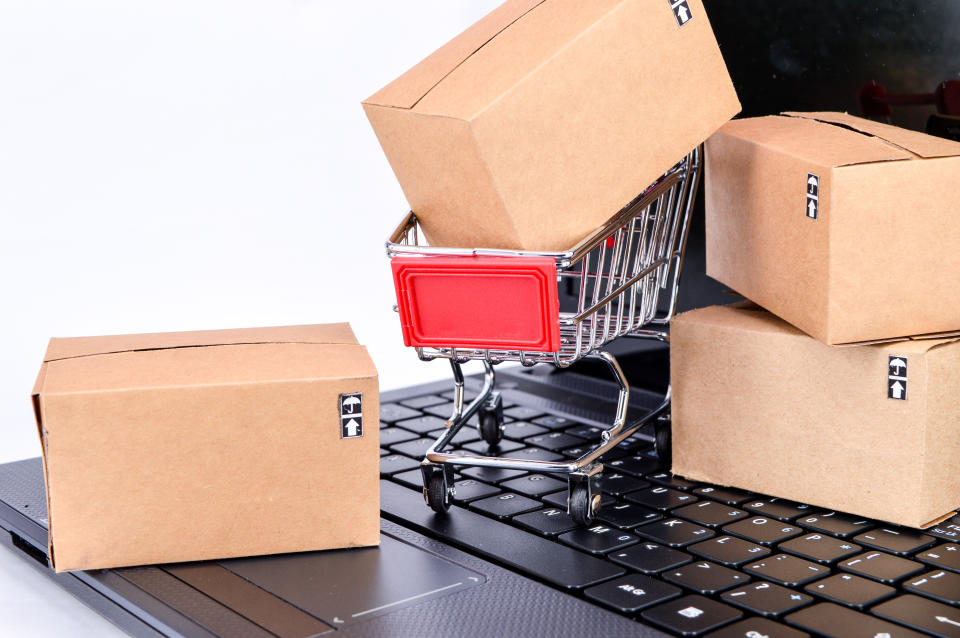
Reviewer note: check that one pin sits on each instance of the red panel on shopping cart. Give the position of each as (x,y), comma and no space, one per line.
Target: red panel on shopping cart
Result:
(500,303)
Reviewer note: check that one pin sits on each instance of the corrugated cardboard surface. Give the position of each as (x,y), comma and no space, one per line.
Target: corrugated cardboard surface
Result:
(881,259)
(562,112)
(759,405)
(193,446)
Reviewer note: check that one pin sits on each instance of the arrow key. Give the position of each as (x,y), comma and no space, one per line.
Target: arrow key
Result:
(922,614)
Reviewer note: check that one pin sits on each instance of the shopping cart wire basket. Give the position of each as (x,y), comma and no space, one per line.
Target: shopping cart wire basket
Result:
(498,306)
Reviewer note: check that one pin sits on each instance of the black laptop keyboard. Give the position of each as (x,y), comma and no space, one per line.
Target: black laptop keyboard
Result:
(689,558)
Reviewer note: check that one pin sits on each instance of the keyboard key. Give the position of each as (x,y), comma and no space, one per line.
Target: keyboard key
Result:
(534,485)
(660,498)
(757,628)
(940,585)
(650,558)
(546,522)
(777,508)
(389,436)
(691,615)
(787,570)
(393,463)
(842,525)
(536,454)
(586,432)
(851,590)
(632,593)
(896,541)
(577,451)
(392,412)
(766,599)
(554,441)
(834,621)
(880,566)
(920,613)
(628,515)
(467,434)
(705,578)
(946,556)
(947,530)
(522,413)
(505,505)
(424,401)
(554,422)
(441,410)
(491,474)
(415,448)
(669,480)
(410,478)
(728,495)
(674,532)
(598,539)
(422,424)
(729,550)
(467,490)
(637,465)
(634,444)
(709,513)
(519,430)
(820,548)
(523,551)
(619,484)
(763,530)
(505,447)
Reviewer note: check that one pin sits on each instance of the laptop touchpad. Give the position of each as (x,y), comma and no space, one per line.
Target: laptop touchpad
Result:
(351,585)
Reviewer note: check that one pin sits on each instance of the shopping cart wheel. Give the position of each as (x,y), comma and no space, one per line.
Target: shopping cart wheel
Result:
(491,419)
(583,507)
(437,496)
(664,441)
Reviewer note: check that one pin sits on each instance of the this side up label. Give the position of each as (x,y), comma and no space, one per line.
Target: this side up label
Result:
(351,415)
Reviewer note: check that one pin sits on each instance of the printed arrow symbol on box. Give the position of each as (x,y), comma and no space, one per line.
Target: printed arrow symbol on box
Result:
(896,364)
(897,389)
(682,14)
(811,208)
(352,427)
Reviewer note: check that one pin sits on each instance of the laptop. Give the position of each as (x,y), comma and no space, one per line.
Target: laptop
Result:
(666,556)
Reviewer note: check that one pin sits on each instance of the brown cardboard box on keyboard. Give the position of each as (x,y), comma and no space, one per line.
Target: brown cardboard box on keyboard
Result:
(541,121)
(845,227)
(866,429)
(203,445)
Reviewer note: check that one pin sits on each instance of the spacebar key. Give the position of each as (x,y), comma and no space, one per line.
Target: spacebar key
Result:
(535,556)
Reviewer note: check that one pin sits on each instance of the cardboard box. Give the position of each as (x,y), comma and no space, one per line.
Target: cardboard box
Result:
(204,445)
(541,121)
(870,430)
(842,226)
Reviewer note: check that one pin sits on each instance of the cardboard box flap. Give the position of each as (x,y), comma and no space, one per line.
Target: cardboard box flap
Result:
(920,144)
(412,86)
(72,347)
(823,144)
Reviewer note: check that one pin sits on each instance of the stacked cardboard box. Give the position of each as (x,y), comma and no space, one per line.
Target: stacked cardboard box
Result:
(842,391)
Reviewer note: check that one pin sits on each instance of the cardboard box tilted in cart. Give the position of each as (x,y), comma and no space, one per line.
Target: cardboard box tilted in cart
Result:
(545,118)
(204,445)
(847,228)
(868,429)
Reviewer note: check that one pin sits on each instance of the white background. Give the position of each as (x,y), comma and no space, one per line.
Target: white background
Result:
(181,165)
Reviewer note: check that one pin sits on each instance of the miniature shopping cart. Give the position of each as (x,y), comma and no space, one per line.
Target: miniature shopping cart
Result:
(499,305)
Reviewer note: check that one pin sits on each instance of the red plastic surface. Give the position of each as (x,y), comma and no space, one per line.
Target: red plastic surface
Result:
(501,303)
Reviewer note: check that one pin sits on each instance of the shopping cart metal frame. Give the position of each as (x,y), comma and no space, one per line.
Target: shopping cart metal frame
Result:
(621,271)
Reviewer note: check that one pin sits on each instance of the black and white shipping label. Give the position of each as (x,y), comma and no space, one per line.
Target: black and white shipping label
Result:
(681,11)
(897,377)
(813,196)
(351,415)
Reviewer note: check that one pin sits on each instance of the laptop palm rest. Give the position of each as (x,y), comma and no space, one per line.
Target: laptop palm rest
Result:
(346,586)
